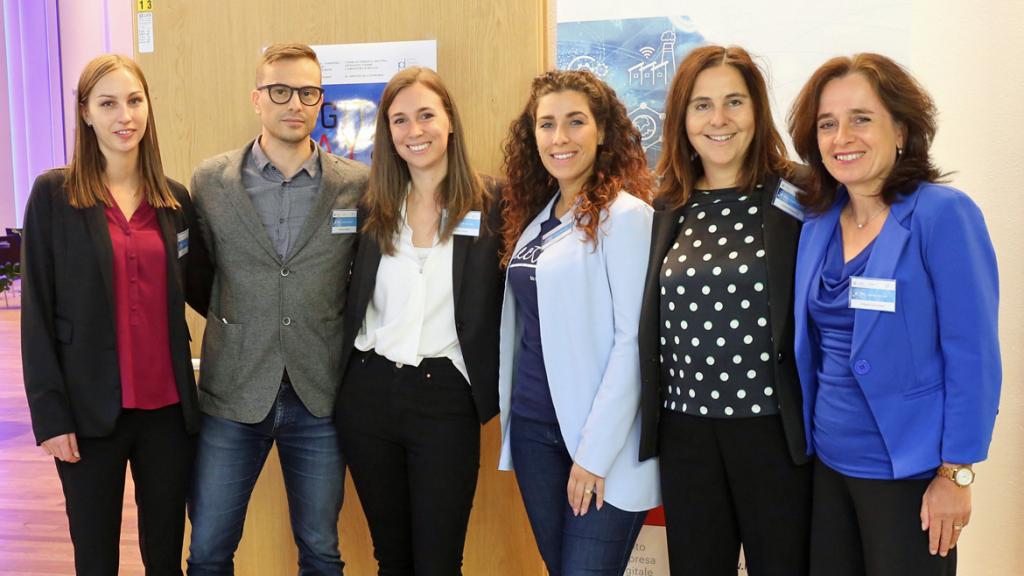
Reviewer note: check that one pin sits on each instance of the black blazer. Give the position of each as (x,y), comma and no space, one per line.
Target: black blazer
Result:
(478,282)
(781,234)
(68,339)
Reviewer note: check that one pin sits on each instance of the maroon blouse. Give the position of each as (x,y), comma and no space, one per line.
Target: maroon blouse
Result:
(140,309)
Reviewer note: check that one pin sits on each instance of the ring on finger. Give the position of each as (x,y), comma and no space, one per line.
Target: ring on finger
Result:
(958,527)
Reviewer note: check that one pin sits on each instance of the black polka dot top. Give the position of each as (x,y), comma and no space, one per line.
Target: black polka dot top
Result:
(716,346)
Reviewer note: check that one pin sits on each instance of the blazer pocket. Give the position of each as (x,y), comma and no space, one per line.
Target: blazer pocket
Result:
(919,391)
(64,330)
(221,345)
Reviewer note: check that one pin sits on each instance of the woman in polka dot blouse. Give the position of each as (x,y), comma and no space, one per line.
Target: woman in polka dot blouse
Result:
(721,399)
(896,298)
(577,227)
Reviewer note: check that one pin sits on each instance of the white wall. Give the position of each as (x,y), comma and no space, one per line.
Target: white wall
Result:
(968,54)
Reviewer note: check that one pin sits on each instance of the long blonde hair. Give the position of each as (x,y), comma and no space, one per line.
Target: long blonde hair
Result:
(84,182)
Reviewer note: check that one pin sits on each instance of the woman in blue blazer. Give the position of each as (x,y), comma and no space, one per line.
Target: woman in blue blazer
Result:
(577,229)
(896,326)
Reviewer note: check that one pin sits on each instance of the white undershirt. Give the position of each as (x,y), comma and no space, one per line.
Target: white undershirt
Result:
(412,313)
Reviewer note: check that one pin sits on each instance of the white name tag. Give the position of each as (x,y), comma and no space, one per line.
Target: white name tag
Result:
(872,294)
(182,242)
(344,221)
(556,234)
(786,199)
(470,225)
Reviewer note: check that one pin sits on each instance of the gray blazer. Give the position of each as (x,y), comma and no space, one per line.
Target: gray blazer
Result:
(266,314)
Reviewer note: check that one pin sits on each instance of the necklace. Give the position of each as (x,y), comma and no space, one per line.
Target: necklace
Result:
(861,225)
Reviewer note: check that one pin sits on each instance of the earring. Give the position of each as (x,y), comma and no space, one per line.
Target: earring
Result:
(693,155)
(899,151)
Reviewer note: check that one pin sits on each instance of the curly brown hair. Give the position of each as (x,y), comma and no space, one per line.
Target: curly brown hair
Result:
(620,163)
(679,167)
(906,100)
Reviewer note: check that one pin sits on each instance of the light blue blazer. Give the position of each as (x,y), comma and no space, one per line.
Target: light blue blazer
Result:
(589,307)
(930,370)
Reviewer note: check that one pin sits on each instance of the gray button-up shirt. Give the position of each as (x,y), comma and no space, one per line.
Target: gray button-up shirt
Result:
(282,204)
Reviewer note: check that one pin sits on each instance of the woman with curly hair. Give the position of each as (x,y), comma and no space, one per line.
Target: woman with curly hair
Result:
(576,230)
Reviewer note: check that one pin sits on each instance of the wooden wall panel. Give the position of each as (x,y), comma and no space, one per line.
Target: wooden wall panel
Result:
(200,76)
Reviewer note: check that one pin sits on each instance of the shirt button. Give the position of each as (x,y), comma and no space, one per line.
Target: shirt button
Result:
(778,357)
(862,367)
(285,271)
(428,375)
(286,321)
(399,365)
(280,220)
(131,255)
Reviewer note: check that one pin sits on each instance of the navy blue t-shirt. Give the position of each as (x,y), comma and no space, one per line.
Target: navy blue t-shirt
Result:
(531,397)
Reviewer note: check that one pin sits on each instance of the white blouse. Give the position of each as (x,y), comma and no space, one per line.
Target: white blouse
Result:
(412,313)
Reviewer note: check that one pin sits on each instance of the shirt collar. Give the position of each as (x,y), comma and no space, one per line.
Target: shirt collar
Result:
(311,166)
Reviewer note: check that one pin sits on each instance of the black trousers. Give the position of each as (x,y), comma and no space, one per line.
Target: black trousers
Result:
(411,438)
(160,452)
(730,481)
(864,527)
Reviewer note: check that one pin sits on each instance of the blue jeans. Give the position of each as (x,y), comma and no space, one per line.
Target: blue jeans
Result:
(228,461)
(597,544)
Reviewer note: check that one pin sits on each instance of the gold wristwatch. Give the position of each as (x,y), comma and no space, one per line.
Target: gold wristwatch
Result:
(962,476)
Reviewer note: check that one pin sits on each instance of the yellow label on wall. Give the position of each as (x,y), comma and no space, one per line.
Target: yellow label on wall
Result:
(145,5)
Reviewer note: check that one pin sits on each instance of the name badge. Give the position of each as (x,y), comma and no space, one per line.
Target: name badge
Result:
(344,221)
(470,225)
(786,199)
(182,242)
(872,294)
(556,234)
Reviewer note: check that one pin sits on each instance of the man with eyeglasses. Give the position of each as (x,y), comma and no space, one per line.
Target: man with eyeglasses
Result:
(279,216)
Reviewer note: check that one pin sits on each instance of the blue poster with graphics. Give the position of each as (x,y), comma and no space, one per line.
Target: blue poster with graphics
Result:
(354,77)
(637,57)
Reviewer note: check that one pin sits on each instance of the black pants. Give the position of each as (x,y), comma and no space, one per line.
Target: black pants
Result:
(412,441)
(730,481)
(871,528)
(160,452)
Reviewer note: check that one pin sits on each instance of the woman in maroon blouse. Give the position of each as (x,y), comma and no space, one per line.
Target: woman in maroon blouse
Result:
(110,253)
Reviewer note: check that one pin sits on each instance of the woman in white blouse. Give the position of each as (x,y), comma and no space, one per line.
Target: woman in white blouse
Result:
(421,324)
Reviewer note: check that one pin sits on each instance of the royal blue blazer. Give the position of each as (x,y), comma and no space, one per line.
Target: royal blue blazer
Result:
(931,370)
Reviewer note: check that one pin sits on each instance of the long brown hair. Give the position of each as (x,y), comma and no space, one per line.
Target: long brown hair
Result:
(906,100)
(679,167)
(620,163)
(84,183)
(461,191)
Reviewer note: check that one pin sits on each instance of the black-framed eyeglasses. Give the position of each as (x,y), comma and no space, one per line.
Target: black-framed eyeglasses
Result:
(282,93)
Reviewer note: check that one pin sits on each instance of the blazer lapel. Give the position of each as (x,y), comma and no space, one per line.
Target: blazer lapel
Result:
(885,255)
(781,232)
(364,273)
(814,240)
(235,191)
(169,232)
(96,221)
(330,182)
(460,248)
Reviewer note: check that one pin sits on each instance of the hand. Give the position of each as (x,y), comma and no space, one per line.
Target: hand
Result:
(944,506)
(63,448)
(582,487)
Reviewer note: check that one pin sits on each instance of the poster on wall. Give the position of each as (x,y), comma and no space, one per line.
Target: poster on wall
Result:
(354,76)
(638,58)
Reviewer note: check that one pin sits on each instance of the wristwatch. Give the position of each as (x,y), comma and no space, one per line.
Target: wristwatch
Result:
(962,476)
